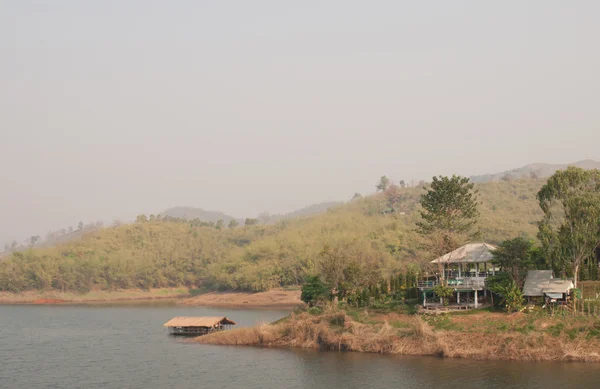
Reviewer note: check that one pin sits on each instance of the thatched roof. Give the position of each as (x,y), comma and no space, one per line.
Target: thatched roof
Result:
(469,253)
(198,321)
(540,282)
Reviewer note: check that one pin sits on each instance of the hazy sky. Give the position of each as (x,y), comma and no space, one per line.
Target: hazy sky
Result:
(109,109)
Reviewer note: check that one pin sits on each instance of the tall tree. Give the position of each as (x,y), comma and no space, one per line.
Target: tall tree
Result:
(80,225)
(449,214)
(570,229)
(383,184)
(233,223)
(515,256)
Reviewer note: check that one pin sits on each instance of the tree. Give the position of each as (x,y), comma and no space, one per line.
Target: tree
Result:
(250,222)
(80,226)
(570,229)
(220,224)
(139,219)
(443,292)
(383,184)
(402,184)
(314,291)
(449,215)
(393,198)
(356,196)
(34,240)
(233,223)
(70,230)
(510,293)
(515,256)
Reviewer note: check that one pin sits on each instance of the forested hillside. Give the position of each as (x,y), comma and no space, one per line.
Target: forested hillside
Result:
(375,234)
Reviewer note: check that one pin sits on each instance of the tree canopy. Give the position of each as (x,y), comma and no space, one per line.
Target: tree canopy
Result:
(570,229)
(449,214)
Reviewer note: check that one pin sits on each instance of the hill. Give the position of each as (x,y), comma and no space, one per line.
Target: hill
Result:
(170,253)
(536,170)
(311,210)
(190,213)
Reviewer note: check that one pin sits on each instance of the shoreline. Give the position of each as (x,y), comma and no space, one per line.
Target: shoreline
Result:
(273,299)
(477,336)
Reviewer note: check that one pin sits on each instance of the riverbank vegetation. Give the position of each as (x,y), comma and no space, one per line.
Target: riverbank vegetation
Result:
(474,335)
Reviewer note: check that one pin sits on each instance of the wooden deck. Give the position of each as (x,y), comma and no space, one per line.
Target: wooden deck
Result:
(435,308)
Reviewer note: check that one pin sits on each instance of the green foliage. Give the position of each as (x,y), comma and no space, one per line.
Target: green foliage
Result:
(570,229)
(251,222)
(443,292)
(515,257)
(383,184)
(507,289)
(449,213)
(314,291)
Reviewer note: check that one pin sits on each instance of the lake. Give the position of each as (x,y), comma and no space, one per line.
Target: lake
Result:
(125,346)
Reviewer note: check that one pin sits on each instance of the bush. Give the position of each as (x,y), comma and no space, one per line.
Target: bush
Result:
(314,291)
(443,292)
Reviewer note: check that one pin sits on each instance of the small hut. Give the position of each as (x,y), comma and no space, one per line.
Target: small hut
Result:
(195,326)
(541,284)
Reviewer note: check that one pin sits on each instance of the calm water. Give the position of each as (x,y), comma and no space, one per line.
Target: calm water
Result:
(125,346)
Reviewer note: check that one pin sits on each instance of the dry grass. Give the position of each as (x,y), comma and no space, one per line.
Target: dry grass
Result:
(334,330)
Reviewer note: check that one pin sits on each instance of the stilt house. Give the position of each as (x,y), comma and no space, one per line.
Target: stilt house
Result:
(465,270)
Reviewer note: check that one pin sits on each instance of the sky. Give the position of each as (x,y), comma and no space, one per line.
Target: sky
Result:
(110,109)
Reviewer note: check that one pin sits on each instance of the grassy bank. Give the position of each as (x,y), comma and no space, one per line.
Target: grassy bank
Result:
(55,297)
(475,335)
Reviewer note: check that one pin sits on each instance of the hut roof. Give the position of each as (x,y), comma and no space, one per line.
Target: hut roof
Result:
(558,286)
(469,253)
(536,281)
(198,321)
(540,282)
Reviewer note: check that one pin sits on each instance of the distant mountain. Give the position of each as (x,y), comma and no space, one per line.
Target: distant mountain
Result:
(311,210)
(191,213)
(539,170)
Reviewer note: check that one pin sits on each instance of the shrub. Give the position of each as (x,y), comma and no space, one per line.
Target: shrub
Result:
(443,292)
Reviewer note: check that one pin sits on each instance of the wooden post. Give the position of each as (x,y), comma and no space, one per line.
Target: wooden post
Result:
(476,305)
(460,269)
(424,299)
(457,297)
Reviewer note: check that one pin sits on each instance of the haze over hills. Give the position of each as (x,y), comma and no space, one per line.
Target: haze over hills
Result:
(534,170)
(191,213)
(540,170)
(167,253)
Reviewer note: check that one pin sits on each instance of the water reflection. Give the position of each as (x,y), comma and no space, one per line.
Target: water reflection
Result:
(126,347)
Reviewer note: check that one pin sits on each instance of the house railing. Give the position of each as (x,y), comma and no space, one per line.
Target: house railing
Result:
(464,282)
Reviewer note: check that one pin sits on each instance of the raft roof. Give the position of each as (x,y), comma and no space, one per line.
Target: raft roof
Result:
(469,253)
(198,321)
